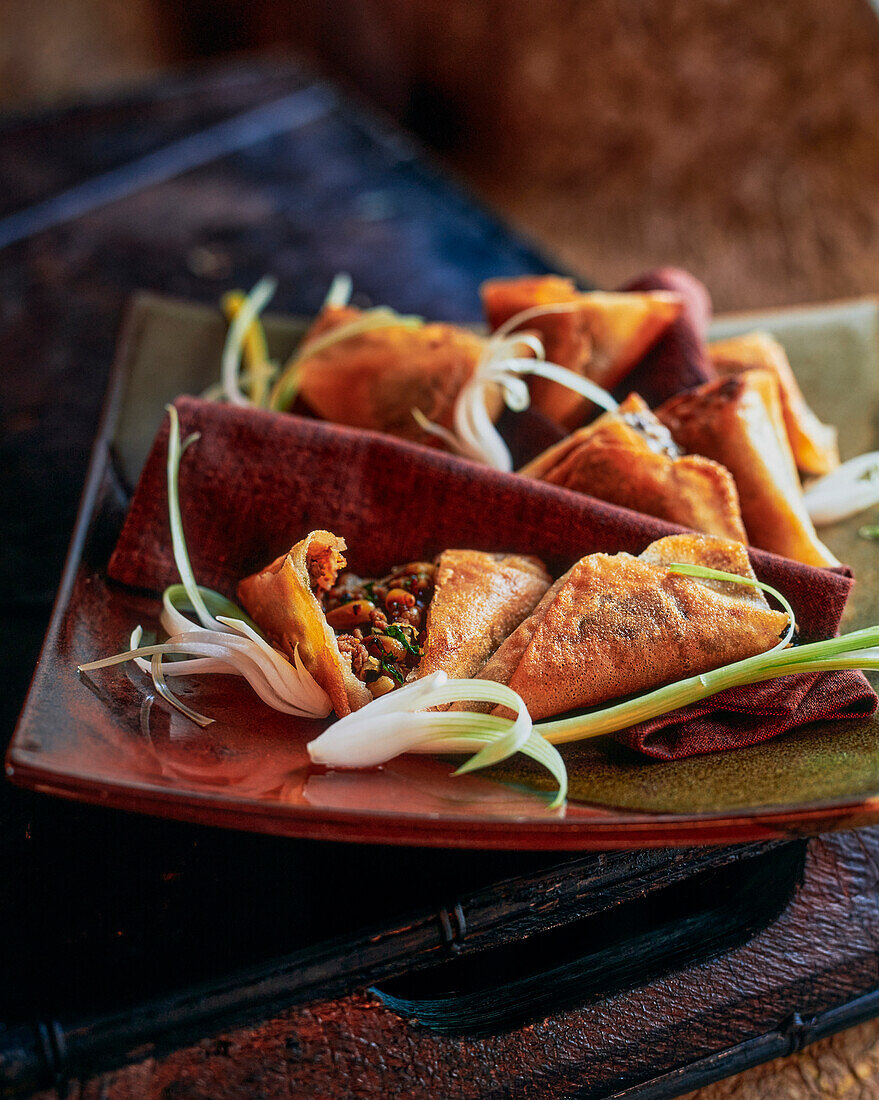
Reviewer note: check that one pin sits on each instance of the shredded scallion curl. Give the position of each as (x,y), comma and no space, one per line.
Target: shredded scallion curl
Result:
(502,364)
(238,334)
(258,370)
(401,721)
(229,643)
(845,491)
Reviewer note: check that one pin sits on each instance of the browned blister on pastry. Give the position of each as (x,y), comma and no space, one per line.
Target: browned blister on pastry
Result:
(628,457)
(814,444)
(616,625)
(376,378)
(478,600)
(283,599)
(630,425)
(602,339)
(738,421)
(362,638)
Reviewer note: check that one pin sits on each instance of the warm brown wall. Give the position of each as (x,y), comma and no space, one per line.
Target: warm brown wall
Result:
(56,49)
(621,132)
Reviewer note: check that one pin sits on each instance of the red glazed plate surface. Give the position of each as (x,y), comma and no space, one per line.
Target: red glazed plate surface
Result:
(106,740)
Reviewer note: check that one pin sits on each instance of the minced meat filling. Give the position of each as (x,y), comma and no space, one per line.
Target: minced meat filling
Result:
(324,563)
(380,623)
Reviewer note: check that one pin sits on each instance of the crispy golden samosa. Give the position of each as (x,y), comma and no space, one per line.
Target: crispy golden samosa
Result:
(628,457)
(632,425)
(602,339)
(738,422)
(814,444)
(361,638)
(478,600)
(616,625)
(285,600)
(375,379)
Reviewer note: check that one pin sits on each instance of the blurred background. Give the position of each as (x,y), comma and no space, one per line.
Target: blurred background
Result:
(736,138)
(620,133)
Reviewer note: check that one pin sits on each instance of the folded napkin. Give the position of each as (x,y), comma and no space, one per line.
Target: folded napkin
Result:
(679,360)
(528,434)
(256,482)
(748,715)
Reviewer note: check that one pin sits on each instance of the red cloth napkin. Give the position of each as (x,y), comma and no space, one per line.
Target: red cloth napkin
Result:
(256,482)
(679,360)
(528,434)
(749,715)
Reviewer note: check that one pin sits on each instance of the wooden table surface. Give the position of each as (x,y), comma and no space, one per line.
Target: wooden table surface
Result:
(789,214)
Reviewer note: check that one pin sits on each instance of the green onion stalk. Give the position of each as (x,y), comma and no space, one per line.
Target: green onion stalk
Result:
(858,650)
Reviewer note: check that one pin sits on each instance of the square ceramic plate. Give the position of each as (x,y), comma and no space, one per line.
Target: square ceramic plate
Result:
(107,741)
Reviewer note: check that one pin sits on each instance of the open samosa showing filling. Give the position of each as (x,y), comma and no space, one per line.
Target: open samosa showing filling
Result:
(361,638)
(374,379)
(628,457)
(601,337)
(616,625)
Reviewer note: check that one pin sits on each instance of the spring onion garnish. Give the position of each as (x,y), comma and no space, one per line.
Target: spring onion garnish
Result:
(703,572)
(339,294)
(178,539)
(258,370)
(168,695)
(869,531)
(845,491)
(286,387)
(501,366)
(237,336)
(401,722)
(227,641)
(858,650)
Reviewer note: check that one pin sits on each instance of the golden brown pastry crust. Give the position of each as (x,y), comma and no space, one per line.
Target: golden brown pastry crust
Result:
(737,421)
(619,625)
(628,458)
(814,444)
(601,340)
(631,425)
(375,379)
(479,598)
(280,599)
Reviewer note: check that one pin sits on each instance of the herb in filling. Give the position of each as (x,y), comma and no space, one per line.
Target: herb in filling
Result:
(380,623)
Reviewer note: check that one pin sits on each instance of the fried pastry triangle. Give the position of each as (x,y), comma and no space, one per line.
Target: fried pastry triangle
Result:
(738,421)
(282,601)
(601,340)
(616,625)
(814,444)
(376,378)
(479,599)
(628,457)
